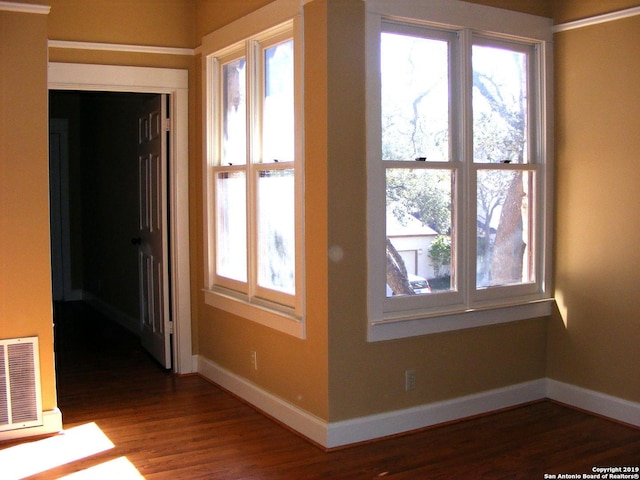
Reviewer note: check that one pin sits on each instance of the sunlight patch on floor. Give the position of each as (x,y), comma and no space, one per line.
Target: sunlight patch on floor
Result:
(39,456)
(118,468)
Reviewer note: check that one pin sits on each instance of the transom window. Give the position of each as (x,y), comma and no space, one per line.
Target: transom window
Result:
(253,179)
(458,193)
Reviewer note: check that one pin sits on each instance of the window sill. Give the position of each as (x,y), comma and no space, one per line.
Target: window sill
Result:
(262,314)
(415,325)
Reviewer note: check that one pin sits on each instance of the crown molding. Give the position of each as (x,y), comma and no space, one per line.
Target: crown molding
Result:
(24,8)
(607,17)
(120,47)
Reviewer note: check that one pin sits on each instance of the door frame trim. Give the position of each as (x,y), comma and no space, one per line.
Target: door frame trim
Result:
(175,82)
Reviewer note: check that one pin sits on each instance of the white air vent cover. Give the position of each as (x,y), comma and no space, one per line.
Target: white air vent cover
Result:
(20,402)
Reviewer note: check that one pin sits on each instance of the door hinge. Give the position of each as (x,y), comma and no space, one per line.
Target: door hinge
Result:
(170,328)
(166,124)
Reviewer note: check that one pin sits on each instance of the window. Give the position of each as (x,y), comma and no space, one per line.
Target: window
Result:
(458,170)
(253,176)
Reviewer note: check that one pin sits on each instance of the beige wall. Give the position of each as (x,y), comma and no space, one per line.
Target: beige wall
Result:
(570,10)
(213,14)
(293,369)
(25,266)
(165,23)
(593,340)
(542,8)
(334,373)
(25,277)
(368,378)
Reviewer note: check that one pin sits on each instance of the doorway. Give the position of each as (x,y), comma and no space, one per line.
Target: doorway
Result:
(97,194)
(96,81)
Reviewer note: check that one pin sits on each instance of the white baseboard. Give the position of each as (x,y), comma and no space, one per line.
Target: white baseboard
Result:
(400,421)
(595,402)
(301,421)
(337,434)
(51,423)
(194,362)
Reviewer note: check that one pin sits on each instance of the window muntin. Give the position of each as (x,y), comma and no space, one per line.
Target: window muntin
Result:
(483,132)
(253,172)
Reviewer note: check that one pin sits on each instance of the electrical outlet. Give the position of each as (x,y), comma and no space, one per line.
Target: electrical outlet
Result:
(409,380)
(254,359)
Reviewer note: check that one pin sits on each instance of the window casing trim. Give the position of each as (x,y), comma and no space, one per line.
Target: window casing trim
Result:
(411,325)
(467,307)
(457,15)
(246,37)
(256,310)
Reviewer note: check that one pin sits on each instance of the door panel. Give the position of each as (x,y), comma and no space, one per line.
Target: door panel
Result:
(153,245)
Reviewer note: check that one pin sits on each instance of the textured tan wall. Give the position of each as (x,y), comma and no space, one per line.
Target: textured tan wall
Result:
(25,266)
(166,23)
(363,378)
(593,340)
(162,23)
(335,373)
(368,378)
(213,14)
(542,8)
(293,369)
(596,136)
(570,10)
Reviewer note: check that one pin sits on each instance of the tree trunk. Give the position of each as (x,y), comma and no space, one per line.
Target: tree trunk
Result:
(397,277)
(509,248)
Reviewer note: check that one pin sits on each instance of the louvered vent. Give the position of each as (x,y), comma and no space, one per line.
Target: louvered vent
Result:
(20,403)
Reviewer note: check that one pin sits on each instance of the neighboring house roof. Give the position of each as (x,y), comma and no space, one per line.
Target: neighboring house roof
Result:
(410,226)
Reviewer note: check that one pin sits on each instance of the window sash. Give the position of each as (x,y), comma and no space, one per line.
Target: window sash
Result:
(233,112)
(465,294)
(250,286)
(427,41)
(530,80)
(280,115)
(230,231)
(275,239)
(533,164)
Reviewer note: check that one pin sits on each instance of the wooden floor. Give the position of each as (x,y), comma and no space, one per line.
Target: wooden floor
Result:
(169,427)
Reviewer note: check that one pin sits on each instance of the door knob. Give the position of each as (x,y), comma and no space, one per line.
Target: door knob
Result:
(136,241)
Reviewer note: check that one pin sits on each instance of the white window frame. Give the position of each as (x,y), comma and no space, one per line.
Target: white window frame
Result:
(262,28)
(466,307)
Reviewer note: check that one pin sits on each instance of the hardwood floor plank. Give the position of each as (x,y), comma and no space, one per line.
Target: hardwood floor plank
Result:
(184,428)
